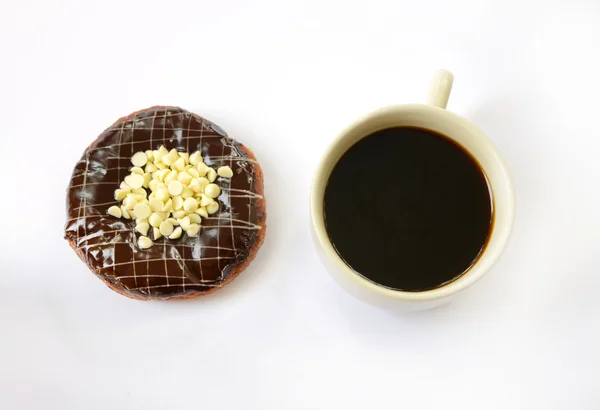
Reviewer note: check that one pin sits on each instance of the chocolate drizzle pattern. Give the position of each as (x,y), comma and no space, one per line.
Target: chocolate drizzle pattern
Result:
(170,267)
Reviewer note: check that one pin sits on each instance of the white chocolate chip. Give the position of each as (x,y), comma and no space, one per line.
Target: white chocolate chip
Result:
(143,228)
(125,213)
(177,202)
(202,168)
(155,220)
(163,215)
(168,206)
(139,159)
(179,214)
(211,175)
(203,183)
(193,172)
(171,157)
(171,176)
(174,154)
(186,192)
(136,197)
(156,233)
(129,202)
(202,212)
(185,156)
(212,190)
(168,160)
(184,178)
(142,210)
(162,194)
(161,152)
(176,233)
(225,172)
(190,204)
(121,194)
(193,230)
(166,228)
(156,205)
(125,186)
(175,188)
(150,167)
(115,211)
(173,221)
(134,180)
(161,166)
(195,158)
(179,164)
(205,200)
(194,218)
(149,154)
(140,191)
(144,242)
(147,179)
(212,207)
(195,185)
(152,184)
(137,170)
(161,174)
(184,222)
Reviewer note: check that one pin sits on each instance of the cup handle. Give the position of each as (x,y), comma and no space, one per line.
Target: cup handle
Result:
(439,90)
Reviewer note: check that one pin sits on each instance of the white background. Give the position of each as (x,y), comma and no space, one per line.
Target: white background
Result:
(285,77)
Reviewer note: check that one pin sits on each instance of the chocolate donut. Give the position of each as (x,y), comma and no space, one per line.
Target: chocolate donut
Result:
(171,269)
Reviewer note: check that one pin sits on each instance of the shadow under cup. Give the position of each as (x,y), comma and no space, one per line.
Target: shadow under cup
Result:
(462,133)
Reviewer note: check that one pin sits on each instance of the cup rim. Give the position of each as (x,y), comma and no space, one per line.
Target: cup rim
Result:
(468,278)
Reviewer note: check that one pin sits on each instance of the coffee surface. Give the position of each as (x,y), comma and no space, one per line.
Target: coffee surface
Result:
(408,209)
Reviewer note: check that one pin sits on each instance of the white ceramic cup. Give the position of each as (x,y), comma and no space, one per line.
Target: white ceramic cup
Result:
(432,116)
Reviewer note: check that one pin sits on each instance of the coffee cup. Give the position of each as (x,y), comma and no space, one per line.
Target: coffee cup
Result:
(434,117)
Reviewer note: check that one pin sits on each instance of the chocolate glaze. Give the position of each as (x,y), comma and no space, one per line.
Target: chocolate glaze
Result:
(170,267)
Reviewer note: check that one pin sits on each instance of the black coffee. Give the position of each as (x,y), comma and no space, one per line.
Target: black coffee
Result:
(408,209)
